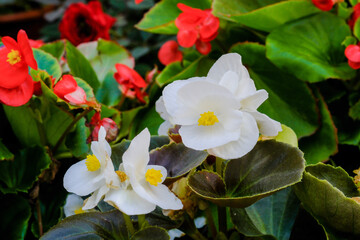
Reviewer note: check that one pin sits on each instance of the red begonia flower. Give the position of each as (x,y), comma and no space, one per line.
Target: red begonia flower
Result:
(194,25)
(325,5)
(85,23)
(169,52)
(15,58)
(352,52)
(138,1)
(130,82)
(68,90)
(355,15)
(110,127)
(203,47)
(36,43)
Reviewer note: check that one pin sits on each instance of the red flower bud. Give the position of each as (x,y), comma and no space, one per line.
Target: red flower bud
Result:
(352,52)
(169,52)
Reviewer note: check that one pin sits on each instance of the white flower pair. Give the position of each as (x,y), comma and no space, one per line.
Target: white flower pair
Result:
(136,188)
(217,113)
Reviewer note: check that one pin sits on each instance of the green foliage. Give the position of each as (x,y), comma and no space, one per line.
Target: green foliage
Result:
(5,154)
(56,49)
(48,63)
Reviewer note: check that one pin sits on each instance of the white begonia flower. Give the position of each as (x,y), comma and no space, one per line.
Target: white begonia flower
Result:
(73,205)
(142,187)
(95,174)
(217,113)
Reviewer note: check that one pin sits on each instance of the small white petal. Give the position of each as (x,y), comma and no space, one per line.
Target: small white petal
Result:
(73,202)
(160,108)
(227,62)
(95,198)
(129,202)
(164,128)
(252,102)
(200,222)
(230,80)
(246,87)
(175,233)
(246,142)
(267,126)
(79,180)
(102,141)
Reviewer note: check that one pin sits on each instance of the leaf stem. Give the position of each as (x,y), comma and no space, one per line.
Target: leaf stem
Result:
(38,211)
(129,224)
(141,220)
(210,222)
(222,219)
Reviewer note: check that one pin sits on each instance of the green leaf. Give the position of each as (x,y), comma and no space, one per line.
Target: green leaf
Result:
(353,2)
(109,92)
(56,49)
(290,100)
(80,66)
(158,219)
(177,159)
(151,233)
(48,63)
(264,15)
(107,225)
(273,216)
(354,111)
(343,10)
(326,193)
(148,118)
(323,144)
(5,154)
(287,135)
(269,167)
(127,119)
(76,140)
(15,214)
(23,171)
(349,40)
(357,29)
(310,48)
(160,18)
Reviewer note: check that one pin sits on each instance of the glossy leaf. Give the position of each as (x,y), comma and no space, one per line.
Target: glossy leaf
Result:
(160,18)
(326,193)
(76,140)
(148,118)
(15,215)
(109,92)
(264,15)
(290,100)
(177,159)
(48,63)
(151,233)
(323,144)
(107,225)
(310,48)
(272,216)
(269,167)
(5,154)
(56,49)
(23,171)
(80,66)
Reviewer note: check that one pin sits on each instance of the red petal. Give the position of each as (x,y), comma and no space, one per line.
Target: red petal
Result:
(10,43)
(129,76)
(17,96)
(77,97)
(209,28)
(138,1)
(352,52)
(26,50)
(354,65)
(325,5)
(187,38)
(169,53)
(203,47)
(65,86)
(11,75)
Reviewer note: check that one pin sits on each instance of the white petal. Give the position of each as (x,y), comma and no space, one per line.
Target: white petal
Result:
(248,139)
(231,120)
(162,170)
(159,195)
(230,80)
(95,198)
(267,126)
(246,87)
(253,101)
(129,202)
(76,97)
(205,137)
(227,62)
(164,128)
(200,222)
(175,233)
(160,108)
(73,202)
(102,141)
(80,181)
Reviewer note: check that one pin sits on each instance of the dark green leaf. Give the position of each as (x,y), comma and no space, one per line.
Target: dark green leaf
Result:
(264,15)
(326,193)
(354,111)
(151,233)
(149,118)
(109,92)
(80,66)
(160,18)
(23,171)
(323,144)
(269,167)
(107,225)
(310,48)
(273,216)
(158,219)
(177,159)
(290,100)
(5,154)
(48,63)
(15,214)
(56,49)
(76,140)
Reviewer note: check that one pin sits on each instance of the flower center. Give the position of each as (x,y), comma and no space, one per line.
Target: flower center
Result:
(13,57)
(123,177)
(153,176)
(92,163)
(79,210)
(208,119)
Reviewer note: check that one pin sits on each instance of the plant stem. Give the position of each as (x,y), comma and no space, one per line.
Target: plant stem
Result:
(38,211)
(67,130)
(222,219)
(210,222)
(218,165)
(141,220)
(129,224)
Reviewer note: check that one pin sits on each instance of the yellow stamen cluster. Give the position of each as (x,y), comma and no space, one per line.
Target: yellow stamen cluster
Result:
(79,210)
(153,176)
(207,119)
(13,57)
(92,163)
(123,177)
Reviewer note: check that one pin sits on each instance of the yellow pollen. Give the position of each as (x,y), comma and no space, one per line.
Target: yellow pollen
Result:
(153,176)
(208,119)
(13,57)
(123,177)
(79,210)
(92,163)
